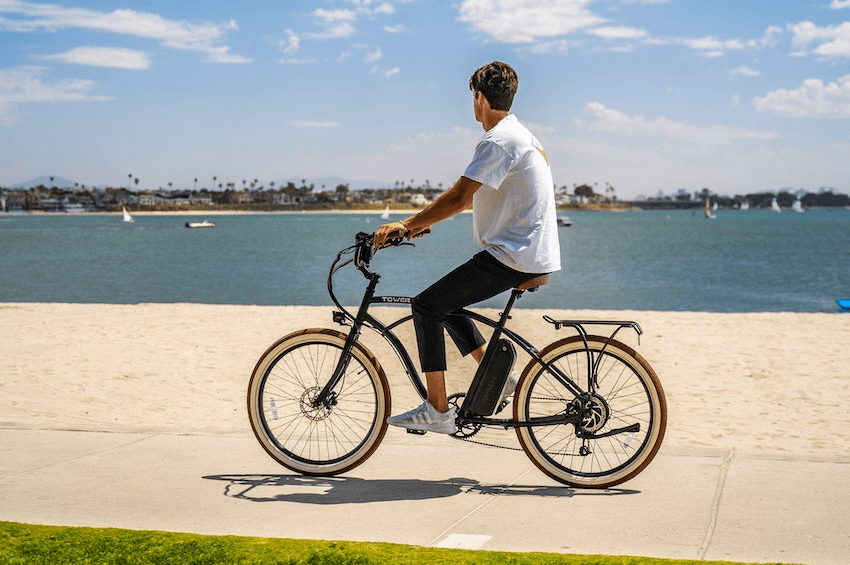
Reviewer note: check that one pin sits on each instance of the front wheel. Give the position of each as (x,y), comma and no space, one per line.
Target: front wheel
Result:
(325,439)
(591,452)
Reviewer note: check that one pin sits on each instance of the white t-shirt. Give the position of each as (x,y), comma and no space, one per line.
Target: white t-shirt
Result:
(514,215)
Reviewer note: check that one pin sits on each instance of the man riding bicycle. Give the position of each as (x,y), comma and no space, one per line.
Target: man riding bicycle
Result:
(509,186)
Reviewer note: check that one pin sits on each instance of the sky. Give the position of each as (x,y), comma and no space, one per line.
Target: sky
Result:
(647,96)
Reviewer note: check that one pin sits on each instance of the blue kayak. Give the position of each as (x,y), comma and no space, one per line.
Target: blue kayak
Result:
(843,303)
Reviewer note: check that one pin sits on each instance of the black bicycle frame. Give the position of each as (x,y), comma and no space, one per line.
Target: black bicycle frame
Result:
(362,258)
(363,318)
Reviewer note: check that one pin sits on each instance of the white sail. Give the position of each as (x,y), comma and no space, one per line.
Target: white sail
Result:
(797,206)
(745,205)
(386,214)
(127,217)
(775,206)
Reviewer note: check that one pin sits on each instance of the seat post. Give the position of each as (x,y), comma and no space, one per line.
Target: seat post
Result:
(505,314)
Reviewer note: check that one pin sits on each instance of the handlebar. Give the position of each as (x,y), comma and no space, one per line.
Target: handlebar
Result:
(364,251)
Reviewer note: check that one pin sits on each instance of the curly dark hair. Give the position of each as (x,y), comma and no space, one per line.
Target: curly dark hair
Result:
(498,82)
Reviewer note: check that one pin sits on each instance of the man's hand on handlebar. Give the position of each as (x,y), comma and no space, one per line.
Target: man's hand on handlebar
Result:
(396,230)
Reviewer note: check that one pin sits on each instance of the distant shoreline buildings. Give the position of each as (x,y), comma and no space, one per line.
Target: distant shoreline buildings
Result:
(80,199)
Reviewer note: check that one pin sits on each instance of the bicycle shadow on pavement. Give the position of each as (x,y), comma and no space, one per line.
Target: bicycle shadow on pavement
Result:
(348,490)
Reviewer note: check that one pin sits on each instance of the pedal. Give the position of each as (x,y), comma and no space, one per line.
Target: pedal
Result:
(417,432)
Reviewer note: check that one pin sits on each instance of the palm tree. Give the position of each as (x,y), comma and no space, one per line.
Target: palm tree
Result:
(136,180)
(130,179)
(214,182)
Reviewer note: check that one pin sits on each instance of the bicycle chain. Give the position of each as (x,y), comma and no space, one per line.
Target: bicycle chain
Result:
(470,440)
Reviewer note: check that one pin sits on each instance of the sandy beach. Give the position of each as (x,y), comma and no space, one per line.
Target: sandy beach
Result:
(766,382)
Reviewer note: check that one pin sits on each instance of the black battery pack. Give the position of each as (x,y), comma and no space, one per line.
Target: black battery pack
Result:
(486,388)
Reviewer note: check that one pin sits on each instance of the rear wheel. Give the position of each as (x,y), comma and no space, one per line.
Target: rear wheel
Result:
(333,437)
(627,396)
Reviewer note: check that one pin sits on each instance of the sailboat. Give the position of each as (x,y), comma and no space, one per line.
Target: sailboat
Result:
(127,217)
(745,205)
(774,205)
(386,214)
(708,214)
(797,206)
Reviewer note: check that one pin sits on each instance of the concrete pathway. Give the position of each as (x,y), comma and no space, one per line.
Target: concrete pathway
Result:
(431,491)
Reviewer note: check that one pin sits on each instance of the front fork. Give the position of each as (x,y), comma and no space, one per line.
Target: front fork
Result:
(327,397)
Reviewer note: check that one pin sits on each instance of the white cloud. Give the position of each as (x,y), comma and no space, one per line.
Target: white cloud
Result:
(745,71)
(770,37)
(392,72)
(839,4)
(398,28)
(291,44)
(114,57)
(831,41)
(297,60)
(526,21)
(613,32)
(711,46)
(612,121)
(375,55)
(813,99)
(25,85)
(335,15)
(204,38)
(338,31)
(339,23)
(384,8)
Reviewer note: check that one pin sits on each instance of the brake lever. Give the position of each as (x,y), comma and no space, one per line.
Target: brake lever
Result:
(400,240)
(395,242)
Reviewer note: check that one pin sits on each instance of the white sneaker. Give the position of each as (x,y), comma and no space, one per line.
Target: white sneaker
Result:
(507,392)
(426,418)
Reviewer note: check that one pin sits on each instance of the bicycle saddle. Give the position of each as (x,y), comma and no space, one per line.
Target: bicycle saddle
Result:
(533,283)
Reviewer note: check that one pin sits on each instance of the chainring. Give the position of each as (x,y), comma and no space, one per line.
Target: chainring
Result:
(466,430)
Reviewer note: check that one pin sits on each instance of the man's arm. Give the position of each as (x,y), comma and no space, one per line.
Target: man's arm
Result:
(454,201)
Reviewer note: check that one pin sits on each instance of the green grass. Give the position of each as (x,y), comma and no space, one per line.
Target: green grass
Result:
(57,545)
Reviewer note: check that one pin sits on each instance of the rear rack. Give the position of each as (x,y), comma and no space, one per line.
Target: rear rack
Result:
(578,326)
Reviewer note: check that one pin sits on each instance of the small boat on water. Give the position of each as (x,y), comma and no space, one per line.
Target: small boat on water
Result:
(127,217)
(745,205)
(386,214)
(774,205)
(204,224)
(843,303)
(797,206)
(564,222)
(708,209)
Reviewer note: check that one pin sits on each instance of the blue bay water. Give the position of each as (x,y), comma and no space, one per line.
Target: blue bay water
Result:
(743,261)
